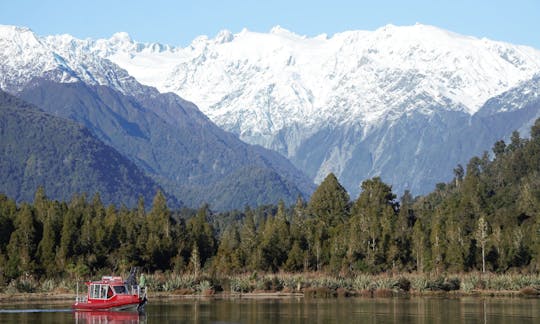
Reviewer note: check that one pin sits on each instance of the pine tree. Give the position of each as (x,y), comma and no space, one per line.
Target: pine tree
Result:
(69,243)
(374,213)
(8,210)
(23,243)
(403,230)
(202,233)
(328,207)
(50,240)
(330,203)
(295,258)
(249,241)
(159,247)
(227,257)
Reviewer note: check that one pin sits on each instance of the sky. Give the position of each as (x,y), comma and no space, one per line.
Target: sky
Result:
(179,22)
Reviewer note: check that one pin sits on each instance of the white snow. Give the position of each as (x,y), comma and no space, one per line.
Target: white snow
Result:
(257,84)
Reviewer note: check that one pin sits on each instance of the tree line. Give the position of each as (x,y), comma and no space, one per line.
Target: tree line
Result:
(485,219)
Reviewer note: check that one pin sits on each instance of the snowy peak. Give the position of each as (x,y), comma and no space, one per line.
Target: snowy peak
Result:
(224,36)
(20,35)
(280,31)
(120,37)
(443,65)
(62,58)
(23,56)
(257,84)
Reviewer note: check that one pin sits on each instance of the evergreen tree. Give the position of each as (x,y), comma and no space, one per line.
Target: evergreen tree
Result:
(8,209)
(70,244)
(374,213)
(403,230)
(50,240)
(499,148)
(328,207)
(298,230)
(159,247)
(438,242)
(249,242)
(295,258)
(275,240)
(23,243)
(227,258)
(329,203)
(202,233)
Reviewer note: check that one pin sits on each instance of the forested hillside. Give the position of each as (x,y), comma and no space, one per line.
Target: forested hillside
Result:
(488,218)
(37,148)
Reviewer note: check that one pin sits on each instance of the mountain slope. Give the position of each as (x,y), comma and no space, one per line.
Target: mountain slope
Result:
(190,158)
(38,149)
(326,103)
(403,103)
(164,135)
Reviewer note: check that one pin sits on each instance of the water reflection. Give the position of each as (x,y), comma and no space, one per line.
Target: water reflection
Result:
(295,310)
(347,310)
(102,317)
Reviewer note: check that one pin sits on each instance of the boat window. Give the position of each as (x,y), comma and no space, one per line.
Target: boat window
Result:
(120,290)
(94,291)
(100,291)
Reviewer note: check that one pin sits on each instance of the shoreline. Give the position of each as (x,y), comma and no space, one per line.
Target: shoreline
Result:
(52,297)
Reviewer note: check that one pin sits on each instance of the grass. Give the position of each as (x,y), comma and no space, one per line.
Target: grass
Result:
(311,284)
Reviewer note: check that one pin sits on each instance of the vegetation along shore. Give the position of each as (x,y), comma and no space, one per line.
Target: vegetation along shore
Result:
(478,232)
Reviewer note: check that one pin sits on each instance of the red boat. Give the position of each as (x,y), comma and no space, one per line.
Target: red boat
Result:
(111,294)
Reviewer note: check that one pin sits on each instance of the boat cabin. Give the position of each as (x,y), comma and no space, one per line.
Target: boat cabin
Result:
(111,293)
(107,288)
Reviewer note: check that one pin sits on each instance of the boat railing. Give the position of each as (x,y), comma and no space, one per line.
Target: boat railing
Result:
(137,290)
(81,299)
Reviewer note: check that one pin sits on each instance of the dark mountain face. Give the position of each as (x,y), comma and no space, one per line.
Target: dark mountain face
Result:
(172,141)
(39,149)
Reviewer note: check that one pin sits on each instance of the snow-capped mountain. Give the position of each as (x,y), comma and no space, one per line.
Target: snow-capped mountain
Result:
(293,93)
(358,103)
(167,137)
(281,78)
(25,56)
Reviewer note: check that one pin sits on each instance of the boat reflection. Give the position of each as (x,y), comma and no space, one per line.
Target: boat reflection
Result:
(107,317)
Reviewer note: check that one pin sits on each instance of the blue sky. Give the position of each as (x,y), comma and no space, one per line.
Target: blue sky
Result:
(179,22)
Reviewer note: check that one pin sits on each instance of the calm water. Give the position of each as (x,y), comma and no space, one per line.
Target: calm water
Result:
(295,310)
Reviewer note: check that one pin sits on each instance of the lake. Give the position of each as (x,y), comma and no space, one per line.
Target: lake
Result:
(294,310)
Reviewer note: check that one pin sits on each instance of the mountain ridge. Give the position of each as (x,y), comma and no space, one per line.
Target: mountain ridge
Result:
(332,104)
(165,135)
(285,91)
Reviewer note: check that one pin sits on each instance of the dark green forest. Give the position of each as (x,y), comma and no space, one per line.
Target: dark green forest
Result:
(486,219)
(37,148)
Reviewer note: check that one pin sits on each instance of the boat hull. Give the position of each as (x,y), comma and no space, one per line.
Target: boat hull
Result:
(116,304)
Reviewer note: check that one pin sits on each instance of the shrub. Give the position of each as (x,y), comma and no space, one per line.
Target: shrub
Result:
(403,284)
(205,287)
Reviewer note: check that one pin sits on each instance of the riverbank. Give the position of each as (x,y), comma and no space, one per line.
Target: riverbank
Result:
(302,285)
